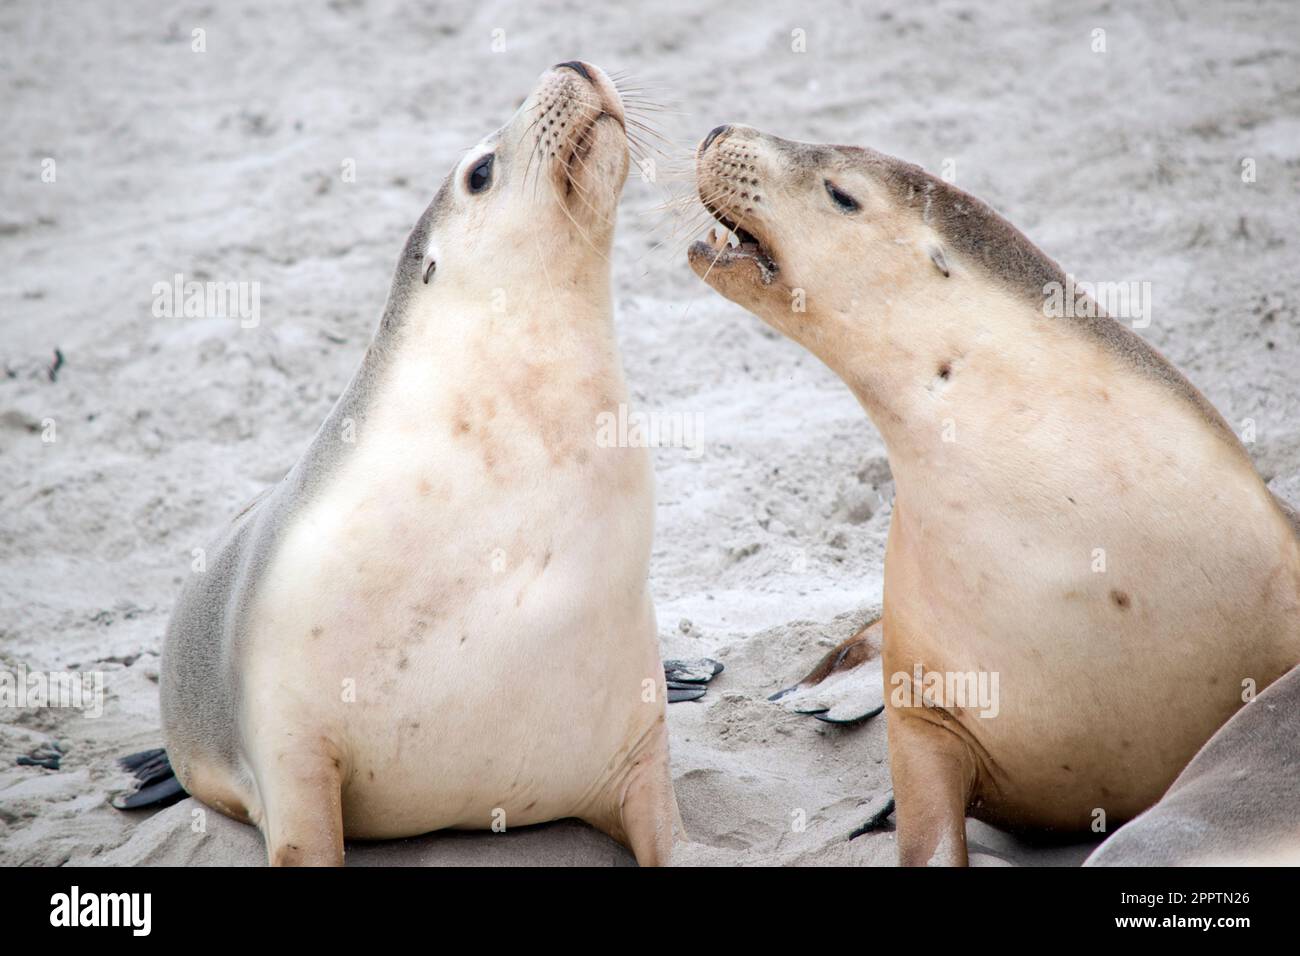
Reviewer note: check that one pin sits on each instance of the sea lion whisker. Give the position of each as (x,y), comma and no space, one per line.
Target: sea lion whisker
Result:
(568,215)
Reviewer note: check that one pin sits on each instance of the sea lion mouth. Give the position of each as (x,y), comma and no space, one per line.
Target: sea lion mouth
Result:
(731,245)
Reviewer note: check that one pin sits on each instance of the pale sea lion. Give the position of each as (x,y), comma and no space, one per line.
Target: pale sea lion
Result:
(440,617)
(1072,517)
(1238,801)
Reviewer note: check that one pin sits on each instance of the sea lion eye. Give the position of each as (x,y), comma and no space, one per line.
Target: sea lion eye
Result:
(841,198)
(480,177)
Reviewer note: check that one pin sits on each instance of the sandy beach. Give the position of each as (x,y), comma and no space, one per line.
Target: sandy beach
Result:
(132,158)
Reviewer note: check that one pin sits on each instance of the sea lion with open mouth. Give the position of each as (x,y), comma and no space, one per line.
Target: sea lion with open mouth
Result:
(440,617)
(1072,517)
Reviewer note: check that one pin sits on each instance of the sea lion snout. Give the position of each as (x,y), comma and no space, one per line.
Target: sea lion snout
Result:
(596,82)
(713,134)
(573,133)
(732,172)
(577,66)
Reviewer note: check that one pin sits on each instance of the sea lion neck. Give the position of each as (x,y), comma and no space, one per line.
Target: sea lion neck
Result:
(917,358)
(943,358)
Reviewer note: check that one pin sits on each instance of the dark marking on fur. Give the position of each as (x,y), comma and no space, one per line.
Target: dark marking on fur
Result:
(940,262)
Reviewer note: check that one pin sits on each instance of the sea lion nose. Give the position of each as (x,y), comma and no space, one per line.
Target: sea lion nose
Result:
(713,134)
(577,66)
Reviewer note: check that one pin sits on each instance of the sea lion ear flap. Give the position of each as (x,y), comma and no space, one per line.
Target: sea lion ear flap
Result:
(940,262)
(430,265)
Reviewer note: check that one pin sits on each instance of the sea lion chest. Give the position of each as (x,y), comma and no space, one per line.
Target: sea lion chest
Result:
(1091,592)
(460,598)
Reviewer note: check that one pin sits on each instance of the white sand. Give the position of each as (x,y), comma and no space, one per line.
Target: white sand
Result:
(226,165)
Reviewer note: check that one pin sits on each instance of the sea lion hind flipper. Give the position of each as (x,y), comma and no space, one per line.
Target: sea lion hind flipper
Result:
(846,686)
(156,783)
(699,670)
(157,795)
(678,692)
(854,695)
(879,810)
(686,679)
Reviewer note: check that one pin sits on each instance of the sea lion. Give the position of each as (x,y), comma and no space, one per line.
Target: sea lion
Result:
(440,617)
(1237,803)
(1073,521)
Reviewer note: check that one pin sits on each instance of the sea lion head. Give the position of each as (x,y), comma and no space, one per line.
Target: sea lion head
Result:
(820,232)
(544,185)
